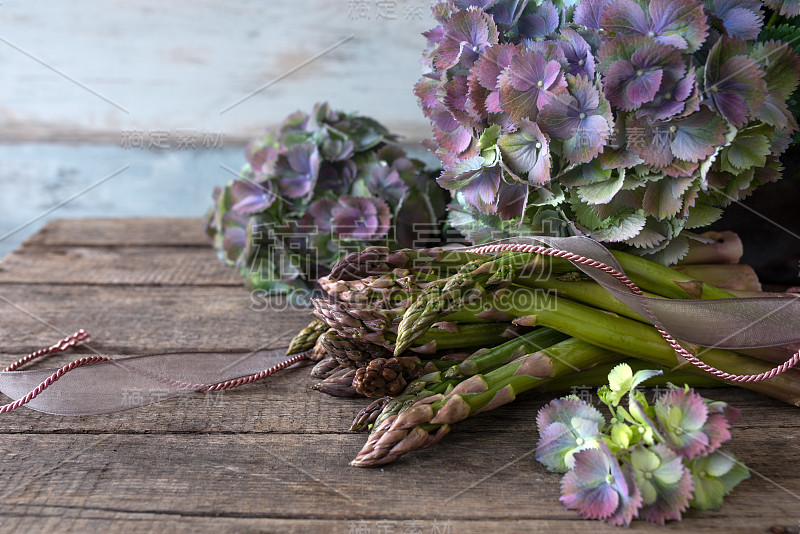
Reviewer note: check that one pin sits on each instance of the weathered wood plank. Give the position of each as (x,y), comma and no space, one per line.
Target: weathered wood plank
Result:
(81,521)
(123,232)
(284,476)
(130,265)
(142,319)
(67,520)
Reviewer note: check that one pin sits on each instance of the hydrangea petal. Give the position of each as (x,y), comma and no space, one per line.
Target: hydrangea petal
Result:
(466,34)
(589,13)
(682,414)
(563,410)
(529,82)
(251,197)
(526,152)
(511,200)
(578,53)
(734,83)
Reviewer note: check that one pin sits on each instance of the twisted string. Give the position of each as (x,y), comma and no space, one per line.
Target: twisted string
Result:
(688,356)
(82,336)
(77,338)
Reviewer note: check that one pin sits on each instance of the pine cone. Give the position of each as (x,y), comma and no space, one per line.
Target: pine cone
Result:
(351,352)
(382,377)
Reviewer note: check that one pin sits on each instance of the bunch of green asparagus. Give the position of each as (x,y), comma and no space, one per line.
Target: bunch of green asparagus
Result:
(438,335)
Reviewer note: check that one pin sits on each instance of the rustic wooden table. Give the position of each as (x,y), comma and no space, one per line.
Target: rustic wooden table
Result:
(273,456)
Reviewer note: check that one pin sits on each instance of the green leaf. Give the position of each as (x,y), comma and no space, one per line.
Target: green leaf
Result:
(702,215)
(644,374)
(748,150)
(672,253)
(585,215)
(602,192)
(622,229)
(589,173)
(551,195)
(489,137)
(662,199)
(653,234)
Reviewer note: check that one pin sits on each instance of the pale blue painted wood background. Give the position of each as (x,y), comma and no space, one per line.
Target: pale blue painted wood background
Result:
(176,67)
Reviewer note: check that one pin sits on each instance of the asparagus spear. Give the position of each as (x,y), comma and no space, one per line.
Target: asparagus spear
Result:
(481,361)
(448,295)
(307,337)
(378,260)
(377,326)
(642,341)
(339,384)
(351,352)
(428,419)
(325,368)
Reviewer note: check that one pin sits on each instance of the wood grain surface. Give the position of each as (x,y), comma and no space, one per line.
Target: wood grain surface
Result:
(273,456)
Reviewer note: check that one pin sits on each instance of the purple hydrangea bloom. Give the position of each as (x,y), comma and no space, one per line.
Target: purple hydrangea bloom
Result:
(453,138)
(566,426)
(512,198)
(336,177)
(682,415)
(734,83)
(740,18)
(679,23)
(385,182)
(250,197)
(360,218)
(298,171)
(484,97)
(589,13)
(466,35)
(636,78)
(529,83)
(599,488)
(676,97)
(718,426)
(578,53)
(665,483)
(688,139)
(787,8)
(454,93)
(477,183)
(540,23)
(581,118)
(262,157)
(234,237)
(526,153)
(320,214)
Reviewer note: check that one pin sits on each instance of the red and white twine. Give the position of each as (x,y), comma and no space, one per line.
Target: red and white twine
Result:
(688,356)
